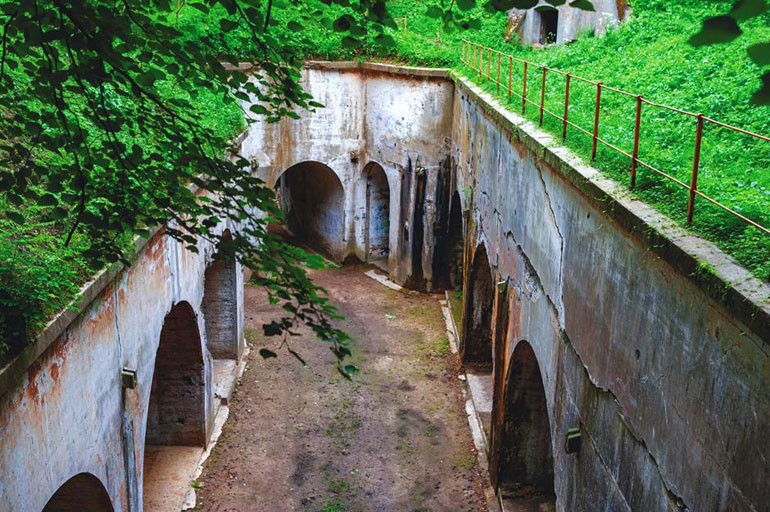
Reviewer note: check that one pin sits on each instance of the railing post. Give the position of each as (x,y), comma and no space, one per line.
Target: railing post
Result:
(542,97)
(404,25)
(510,75)
(566,108)
(481,60)
(596,120)
(498,72)
(462,57)
(637,126)
(489,64)
(695,165)
(524,93)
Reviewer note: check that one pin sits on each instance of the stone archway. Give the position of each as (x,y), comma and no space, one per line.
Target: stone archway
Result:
(525,472)
(81,493)
(311,196)
(175,434)
(377,228)
(220,304)
(476,349)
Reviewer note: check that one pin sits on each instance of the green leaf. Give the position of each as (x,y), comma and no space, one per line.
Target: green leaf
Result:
(267,354)
(343,23)
(434,11)
(721,29)
(352,370)
(762,96)
(466,5)
(294,26)
(583,5)
(760,53)
(745,9)
(15,217)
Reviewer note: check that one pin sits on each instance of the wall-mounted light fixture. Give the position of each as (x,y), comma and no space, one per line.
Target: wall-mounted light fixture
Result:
(128,378)
(573,441)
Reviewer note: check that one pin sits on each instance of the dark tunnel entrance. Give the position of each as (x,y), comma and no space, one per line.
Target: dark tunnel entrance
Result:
(377,230)
(311,197)
(525,472)
(81,493)
(476,347)
(448,260)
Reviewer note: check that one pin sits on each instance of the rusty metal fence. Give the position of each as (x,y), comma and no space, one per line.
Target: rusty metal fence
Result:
(474,56)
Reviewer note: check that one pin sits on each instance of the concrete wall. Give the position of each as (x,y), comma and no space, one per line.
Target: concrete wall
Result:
(668,383)
(68,414)
(571,21)
(396,118)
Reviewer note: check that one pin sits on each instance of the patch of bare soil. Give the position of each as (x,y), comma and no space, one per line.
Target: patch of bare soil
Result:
(303,438)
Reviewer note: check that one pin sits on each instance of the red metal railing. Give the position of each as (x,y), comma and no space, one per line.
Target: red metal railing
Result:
(469,52)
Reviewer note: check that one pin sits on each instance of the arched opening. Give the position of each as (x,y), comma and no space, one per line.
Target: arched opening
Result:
(525,473)
(312,199)
(449,248)
(377,230)
(81,493)
(477,329)
(220,304)
(549,25)
(175,431)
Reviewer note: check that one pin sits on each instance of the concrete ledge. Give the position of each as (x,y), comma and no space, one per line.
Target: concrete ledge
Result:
(711,269)
(393,69)
(13,372)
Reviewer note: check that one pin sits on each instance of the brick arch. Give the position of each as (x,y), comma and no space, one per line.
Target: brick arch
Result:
(82,493)
(220,303)
(476,345)
(312,198)
(525,467)
(176,411)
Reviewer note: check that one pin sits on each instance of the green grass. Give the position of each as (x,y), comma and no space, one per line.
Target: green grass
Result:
(650,56)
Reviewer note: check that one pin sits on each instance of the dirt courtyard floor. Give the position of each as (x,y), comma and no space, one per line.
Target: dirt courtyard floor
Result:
(303,438)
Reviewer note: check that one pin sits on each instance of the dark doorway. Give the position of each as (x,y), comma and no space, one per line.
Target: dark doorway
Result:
(81,493)
(525,474)
(220,304)
(176,417)
(549,24)
(450,244)
(377,233)
(476,349)
(311,197)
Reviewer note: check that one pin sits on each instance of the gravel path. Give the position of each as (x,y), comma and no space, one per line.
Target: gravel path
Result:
(303,438)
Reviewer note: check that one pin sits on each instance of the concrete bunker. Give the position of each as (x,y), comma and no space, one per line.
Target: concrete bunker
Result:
(377,226)
(81,493)
(311,196)
(525,463)
(476,347)
(220,304)
(176,410)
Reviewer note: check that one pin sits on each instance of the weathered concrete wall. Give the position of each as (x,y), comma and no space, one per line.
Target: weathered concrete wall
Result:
(399,119)
(669,387)
(68,414)
(572,21)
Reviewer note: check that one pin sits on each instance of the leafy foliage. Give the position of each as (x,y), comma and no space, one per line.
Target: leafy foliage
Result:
(103,128)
